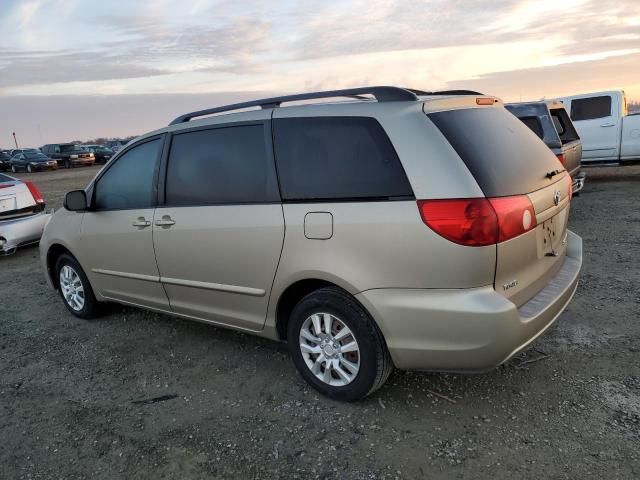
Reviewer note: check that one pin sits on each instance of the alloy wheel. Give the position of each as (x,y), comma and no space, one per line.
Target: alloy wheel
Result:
(72,288)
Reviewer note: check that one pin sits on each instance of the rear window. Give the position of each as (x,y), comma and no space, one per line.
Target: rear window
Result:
(563,125)
(337,158)
(590,108)
(504,156)
(534,124)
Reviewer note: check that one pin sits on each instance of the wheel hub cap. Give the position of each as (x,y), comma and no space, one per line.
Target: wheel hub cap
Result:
(72,288)
(329,349)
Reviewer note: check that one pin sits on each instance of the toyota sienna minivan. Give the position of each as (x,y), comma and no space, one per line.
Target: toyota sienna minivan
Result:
(396,227)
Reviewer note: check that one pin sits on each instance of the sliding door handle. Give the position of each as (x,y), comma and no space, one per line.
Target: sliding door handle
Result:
(165,221)
(141,222)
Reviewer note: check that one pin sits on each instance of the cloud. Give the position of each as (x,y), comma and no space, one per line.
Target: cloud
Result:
(558,80)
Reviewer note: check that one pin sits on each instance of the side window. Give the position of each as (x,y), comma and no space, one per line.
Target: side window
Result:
(128,183)
(590,108)
(331,158)
(220,166)
(563,125)
(534,125)
(56,149)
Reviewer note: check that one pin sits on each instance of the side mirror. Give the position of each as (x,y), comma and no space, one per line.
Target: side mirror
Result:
(76,201)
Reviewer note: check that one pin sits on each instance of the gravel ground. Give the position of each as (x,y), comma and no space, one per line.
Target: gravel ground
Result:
(142,395)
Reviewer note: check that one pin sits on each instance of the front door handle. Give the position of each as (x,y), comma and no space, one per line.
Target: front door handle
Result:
(608,125)
(142,222)
(165,221)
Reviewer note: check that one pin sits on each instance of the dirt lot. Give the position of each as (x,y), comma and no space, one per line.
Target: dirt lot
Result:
(141,395)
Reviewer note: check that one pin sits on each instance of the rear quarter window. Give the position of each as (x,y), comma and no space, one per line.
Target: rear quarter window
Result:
(504,155)
(337,158)
(566,130)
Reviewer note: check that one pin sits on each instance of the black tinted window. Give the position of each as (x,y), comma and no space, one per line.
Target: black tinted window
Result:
(563,125)
(534,125)
(129,182)
(590,108)
(337,158)
(222,165)
(503,155)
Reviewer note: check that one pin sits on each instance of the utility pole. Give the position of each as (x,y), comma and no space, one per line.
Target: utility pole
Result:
(14,140)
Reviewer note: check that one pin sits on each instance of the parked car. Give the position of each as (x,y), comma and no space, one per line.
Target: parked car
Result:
(608,132)
(116,145)
(22,214)
(16,151)
(69,154)
(5,163)
(32,162)
(102,153)
(424,231)
(551,123)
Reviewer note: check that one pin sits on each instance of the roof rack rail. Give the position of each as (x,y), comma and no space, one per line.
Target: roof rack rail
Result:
(456,92)
(381,94)
(444,92)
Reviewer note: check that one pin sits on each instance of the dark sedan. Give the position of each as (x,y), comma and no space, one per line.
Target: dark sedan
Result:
(32,162)
(5,161)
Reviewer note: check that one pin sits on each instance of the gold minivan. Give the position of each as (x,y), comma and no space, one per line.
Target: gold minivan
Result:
(421,230)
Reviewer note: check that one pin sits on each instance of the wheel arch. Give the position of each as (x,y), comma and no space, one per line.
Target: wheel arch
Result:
(53,253)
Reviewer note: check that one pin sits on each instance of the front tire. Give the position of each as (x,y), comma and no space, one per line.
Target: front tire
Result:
(336,345)
(75,289)
(29,168)
(13,169)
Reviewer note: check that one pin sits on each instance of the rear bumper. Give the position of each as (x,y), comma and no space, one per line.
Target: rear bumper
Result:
(468,329)
(21,231)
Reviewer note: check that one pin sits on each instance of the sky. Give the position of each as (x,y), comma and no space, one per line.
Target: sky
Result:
(79,69)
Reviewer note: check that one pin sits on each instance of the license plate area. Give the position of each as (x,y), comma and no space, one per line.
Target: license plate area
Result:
(7,204)
(552,235)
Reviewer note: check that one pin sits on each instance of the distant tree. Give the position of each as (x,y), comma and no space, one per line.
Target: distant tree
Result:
(634,107)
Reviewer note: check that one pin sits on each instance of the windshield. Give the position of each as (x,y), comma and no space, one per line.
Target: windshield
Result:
(70,148)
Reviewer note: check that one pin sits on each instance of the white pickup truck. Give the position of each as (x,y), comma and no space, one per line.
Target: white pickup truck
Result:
(608,132)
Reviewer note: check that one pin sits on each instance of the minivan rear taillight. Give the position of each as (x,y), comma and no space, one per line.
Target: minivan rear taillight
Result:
(477,222)
(35,193)
(561,157)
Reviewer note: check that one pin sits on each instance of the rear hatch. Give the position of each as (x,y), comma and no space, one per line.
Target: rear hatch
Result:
(513,166)
(571,152)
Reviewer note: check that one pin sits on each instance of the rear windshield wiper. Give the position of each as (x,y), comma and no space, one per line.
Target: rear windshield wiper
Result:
(553,173)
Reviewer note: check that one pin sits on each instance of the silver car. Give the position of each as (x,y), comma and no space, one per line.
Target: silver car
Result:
(22,214)
(421,230)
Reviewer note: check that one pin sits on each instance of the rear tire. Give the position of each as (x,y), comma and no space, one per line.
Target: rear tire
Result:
(29,168)
(13,169)
(348,362)
(75,289)
(67,164)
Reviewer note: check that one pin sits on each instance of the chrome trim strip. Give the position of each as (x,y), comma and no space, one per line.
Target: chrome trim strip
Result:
(134,276)
(254,292)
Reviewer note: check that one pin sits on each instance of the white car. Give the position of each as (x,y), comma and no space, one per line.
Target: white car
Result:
(22,214)
(608,132)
